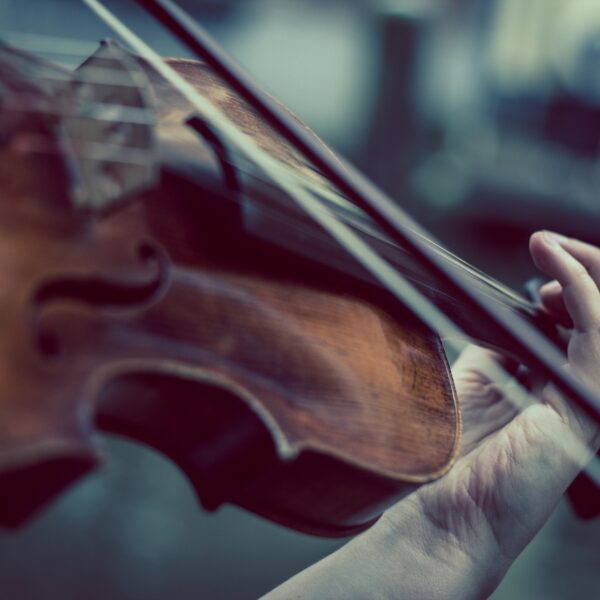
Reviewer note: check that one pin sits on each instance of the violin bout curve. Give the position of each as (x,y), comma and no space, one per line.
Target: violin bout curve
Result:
(273,386)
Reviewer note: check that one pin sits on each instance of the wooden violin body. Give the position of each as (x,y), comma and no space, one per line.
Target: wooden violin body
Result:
(276,384)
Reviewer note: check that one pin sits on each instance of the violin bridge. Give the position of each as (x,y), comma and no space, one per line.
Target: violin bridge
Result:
(111,147)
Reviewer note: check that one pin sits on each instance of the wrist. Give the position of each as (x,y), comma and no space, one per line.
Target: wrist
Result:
(404,555)
(423,558)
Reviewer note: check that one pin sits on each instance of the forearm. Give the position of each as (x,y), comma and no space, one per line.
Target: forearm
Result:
(403,557)
(457,537)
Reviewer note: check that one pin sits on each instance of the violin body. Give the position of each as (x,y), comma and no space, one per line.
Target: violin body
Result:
(274,383)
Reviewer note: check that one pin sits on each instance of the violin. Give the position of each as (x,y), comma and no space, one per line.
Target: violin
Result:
(158,285)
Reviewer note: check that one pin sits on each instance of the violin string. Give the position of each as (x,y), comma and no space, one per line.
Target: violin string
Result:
(350,241)
(119,154)
(106,76)
(103,151)
(379,268)
(97,111)
(115,77)
(311,235)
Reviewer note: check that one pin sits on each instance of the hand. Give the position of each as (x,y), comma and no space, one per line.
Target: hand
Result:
(457,537)
(514,467)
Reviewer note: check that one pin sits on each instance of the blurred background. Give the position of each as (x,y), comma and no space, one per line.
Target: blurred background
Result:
(482,117)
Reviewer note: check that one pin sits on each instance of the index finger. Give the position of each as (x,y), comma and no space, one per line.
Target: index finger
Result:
(580,292)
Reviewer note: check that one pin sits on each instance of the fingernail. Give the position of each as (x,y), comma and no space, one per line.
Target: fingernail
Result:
(554,239)
(550,287)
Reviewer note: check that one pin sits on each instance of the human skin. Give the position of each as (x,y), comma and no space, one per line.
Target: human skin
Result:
(456,537)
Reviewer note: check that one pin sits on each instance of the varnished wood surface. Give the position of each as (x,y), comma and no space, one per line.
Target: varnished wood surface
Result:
(170,310)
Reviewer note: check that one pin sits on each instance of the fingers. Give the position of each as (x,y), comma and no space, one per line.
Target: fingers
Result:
(587,254)
(576,267)
(551,296)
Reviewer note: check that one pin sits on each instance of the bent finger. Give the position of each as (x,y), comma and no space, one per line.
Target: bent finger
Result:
(551,297)
(587,254)
(579,290)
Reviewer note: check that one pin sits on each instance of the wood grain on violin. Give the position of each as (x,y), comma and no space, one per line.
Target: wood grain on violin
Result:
(275,383)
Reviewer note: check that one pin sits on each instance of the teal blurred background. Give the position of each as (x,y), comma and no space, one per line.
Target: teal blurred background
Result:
(481,117)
